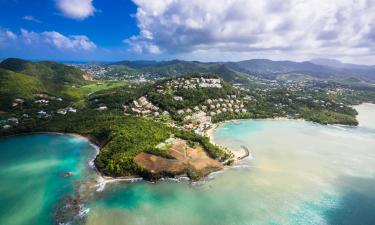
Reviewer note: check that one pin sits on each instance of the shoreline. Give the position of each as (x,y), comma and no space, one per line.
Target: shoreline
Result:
(94,143)
(237,156)
(208,133)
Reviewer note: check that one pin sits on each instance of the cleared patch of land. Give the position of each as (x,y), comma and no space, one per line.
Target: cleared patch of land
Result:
(185,158)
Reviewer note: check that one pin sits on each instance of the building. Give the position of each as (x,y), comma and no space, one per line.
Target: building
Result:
(7,126)
(103,108)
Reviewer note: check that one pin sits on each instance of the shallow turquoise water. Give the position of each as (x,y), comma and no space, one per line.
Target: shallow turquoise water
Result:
(299,173)
(31,168)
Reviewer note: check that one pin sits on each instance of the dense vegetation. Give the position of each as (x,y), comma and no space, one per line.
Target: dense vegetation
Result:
(23,79)
(310,104)
(172,69)
(16,85)
(121,138)
(116,97)
(191,97)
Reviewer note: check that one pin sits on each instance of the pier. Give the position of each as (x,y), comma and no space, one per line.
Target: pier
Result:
(247,152)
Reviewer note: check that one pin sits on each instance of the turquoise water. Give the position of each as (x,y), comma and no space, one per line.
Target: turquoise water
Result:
(31,173)
(299,173)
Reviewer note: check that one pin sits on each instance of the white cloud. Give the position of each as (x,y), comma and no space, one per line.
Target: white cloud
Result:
(57,40)
(143,43)
(6,37)
(6,34)
(32,19)
(270,27)
(76,9)
(75,42)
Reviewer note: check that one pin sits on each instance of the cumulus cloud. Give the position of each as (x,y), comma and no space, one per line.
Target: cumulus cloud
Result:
(6,37)
(72,43)
(310,27)
(57,40)
(76,9)
(143,43)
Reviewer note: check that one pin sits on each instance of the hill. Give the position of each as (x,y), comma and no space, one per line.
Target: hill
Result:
(46,71)
(154,116)
(179,67)
(23,79)
(177,99)
(243,71)
(315,69)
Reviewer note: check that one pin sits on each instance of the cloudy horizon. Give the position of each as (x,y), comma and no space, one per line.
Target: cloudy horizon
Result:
(210,30)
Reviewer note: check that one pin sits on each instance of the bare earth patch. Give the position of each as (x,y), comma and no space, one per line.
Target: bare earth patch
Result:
(186,159)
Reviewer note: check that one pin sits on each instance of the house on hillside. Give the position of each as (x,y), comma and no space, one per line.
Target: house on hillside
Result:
(62,111)
(7,127)
(13,120)
(102,108)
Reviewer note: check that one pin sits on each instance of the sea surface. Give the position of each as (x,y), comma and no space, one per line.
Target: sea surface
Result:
(32,169)
(298,173)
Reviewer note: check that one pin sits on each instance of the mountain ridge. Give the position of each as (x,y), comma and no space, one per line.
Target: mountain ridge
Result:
(263,68)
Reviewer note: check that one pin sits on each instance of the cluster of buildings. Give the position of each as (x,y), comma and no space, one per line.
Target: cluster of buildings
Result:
(12,121)
(144,107)
(41,113)
(18,102)
(115,72)
(218,106)
(6,124)
(93,69)
(198,117)
(66,110)
(191,83)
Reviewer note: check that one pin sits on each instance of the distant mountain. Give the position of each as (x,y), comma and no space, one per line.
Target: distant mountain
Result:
(322,69)
(333,63)
(269,67)
(363,72)
(179,67)
(318,69)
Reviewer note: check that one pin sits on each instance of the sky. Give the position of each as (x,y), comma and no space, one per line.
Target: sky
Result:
(205,30)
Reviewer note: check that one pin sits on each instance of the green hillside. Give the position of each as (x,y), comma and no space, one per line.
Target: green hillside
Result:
(47,71)
(16,85)
(177,68)
(22,79)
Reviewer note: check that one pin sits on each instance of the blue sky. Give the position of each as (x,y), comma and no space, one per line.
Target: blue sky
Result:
(107,27)
(209,30)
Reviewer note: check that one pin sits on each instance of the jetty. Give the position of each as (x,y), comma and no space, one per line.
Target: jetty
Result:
(247,152)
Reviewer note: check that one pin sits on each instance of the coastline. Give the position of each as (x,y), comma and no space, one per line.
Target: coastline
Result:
(96,145)
(246,153)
